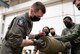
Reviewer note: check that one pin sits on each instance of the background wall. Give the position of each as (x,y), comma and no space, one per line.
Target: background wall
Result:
(55,12)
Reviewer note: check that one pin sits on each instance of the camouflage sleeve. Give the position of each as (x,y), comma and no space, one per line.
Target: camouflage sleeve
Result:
(63,32)
(15,36)
(70,37)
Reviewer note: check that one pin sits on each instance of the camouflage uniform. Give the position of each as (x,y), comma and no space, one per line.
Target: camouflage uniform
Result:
(67,44)
(73,35)
(19,28)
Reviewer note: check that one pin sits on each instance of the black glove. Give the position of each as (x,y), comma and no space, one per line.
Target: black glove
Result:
(39,43)
(68,45)
(36,36)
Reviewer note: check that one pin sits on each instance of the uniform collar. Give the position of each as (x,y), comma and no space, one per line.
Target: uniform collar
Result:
(73,26)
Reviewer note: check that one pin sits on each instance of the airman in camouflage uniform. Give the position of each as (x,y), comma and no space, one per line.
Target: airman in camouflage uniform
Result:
(72,34)
(19,28)
(77,4)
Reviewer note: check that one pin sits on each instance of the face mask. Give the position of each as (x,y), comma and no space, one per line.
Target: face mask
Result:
(52,33)
(68,25)
(35,18)
(78,8)
(46,33)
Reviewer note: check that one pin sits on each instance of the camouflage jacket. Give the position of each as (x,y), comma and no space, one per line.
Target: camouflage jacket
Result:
(70,34)
(19,28)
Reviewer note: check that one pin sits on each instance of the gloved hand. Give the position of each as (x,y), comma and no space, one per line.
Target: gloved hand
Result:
(39,43)
(36,36)
(68,45)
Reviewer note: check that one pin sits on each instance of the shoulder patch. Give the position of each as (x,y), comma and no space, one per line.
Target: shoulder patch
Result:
(21,21)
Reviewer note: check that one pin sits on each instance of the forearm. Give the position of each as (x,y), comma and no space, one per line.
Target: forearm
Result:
(26,42)
(69,37)
(38,43)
